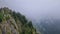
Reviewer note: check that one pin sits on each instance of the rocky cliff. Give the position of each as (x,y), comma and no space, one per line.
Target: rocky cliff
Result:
(12,22)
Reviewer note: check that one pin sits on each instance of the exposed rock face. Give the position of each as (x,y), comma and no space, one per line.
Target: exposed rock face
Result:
(10,23)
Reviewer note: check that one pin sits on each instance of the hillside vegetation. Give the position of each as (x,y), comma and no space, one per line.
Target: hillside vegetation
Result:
(12,22)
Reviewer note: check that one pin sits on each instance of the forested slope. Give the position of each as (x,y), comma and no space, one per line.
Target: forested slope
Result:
(12,22)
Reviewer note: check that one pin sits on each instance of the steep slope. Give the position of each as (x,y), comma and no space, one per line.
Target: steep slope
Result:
(14,23)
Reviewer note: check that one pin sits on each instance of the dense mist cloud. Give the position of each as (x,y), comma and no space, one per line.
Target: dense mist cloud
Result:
(34,9)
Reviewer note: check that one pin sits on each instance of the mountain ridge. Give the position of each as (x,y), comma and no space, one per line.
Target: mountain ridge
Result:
(14,23)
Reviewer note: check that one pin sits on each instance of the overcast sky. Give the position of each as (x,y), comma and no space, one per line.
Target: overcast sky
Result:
(34,9)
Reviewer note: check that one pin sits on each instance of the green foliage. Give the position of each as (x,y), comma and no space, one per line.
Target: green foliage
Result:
(27,26)
(30,24)
(1,17)
(22,24)
(7,17)
(6,10)
(20,17)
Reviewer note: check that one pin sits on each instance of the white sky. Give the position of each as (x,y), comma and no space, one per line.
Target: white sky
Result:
(34,9)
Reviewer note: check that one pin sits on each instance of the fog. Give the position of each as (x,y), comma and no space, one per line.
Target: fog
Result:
(34,9)
(37,10)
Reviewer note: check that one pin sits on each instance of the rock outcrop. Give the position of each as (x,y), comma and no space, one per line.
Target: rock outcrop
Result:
(14,23)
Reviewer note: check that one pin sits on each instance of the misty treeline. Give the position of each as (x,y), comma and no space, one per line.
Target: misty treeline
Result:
(49,26)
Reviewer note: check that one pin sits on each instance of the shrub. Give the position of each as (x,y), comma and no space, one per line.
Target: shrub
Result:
(1,16)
